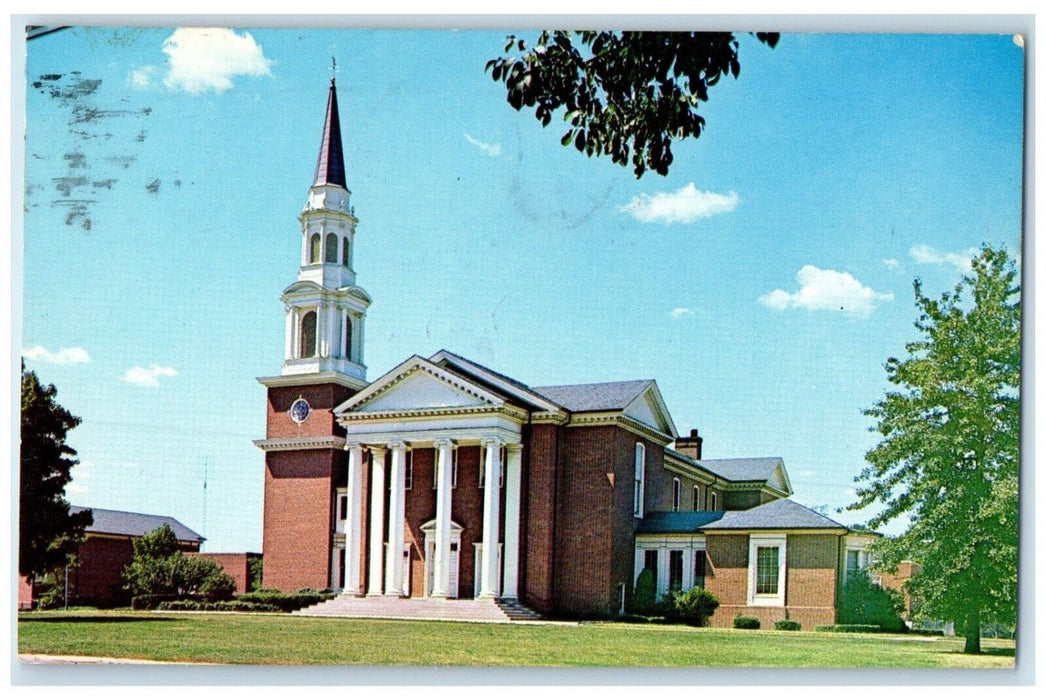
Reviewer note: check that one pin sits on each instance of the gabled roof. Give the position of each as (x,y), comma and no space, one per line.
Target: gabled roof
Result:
(330,164)
(782,514)
(604,396)
(495,380)
(744,469)
(118,522)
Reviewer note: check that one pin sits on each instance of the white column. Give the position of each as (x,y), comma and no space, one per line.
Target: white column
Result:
(322,336)
(394,551)
(491,518)
(288,344)
(377,512)
(332,331)
(353,521)
(512,481)
(441,570)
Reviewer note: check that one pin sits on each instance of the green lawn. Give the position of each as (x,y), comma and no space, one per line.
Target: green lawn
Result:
(283,639)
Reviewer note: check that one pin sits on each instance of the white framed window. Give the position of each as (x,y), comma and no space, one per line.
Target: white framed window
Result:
(766,570)
(503,453)
(640,478)
(857,559)
(675,494)
(408,471)
(453,469)
(715,501)
(697,497)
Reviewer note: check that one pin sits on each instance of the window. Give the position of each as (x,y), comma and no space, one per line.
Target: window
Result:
(766,570)
(675,570)
(345,252)
(637,503)
(715,501)
(343,506)
(408,471)
(348,336)
(650,562)
(700,568)
(314,248)
(697,497)
(307,346)
(675,494)
(453,469)
(330,249)
(853,562)
(483,467)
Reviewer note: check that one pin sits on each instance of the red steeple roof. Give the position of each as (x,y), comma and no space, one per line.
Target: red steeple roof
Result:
(330,165)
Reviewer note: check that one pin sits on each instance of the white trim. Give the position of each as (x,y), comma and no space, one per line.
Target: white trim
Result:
(494,380)
(755,542)
(329,377)
(677,494)
(639,481)
(300,443)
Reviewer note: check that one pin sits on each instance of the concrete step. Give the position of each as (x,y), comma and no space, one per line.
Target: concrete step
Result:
(396,608)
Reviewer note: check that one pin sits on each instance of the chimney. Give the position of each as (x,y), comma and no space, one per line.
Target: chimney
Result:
(690,446)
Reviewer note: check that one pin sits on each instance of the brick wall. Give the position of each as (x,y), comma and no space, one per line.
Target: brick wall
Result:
(810,580)
(740,500)
(537,526)
(236,564)
(298,518)
(659,483)
(322,399)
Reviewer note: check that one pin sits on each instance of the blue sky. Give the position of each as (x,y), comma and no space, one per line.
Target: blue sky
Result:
(763,283)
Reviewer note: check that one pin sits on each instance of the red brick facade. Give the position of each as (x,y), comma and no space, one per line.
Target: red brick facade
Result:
(236,564)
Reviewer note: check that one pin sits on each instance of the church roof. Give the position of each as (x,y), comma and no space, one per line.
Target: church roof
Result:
(118,522)
(782,514)
(330,165)
(744,469)
(604,396)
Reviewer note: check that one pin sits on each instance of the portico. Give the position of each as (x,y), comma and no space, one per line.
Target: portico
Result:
(419,414)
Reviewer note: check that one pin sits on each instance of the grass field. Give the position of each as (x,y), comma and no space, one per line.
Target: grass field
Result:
(282,639)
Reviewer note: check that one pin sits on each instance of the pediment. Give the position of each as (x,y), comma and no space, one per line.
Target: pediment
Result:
(779,479)
(418,385)
(649,409)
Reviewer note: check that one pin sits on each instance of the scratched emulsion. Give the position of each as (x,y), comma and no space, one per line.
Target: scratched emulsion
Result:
(98,149)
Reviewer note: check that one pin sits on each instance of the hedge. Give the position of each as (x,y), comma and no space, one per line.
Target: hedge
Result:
(220,605)
(787,625)
(149,601)
(848,628)
(286,602)
(746,623)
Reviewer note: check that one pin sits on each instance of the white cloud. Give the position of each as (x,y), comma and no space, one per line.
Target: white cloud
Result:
(891,263)
(826,290)
(141,78)
(65,356)
(925,254)
(202,59)
(680,312)
(148,377)
(683,206)
(81,475)
(491,149)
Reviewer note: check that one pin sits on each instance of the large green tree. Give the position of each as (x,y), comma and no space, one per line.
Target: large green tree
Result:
(624,94)
(949,454)
(47,532)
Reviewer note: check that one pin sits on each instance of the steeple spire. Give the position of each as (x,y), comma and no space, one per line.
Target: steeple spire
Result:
(330,165)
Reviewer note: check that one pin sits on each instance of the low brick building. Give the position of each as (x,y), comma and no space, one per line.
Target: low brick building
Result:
(97,577)
(447,479)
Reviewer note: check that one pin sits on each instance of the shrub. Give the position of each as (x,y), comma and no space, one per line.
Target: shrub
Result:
(220,605)
(254,568)
(746,623)
(787,625)
(149,601)
(694,606)
(867,629)
(864,603)
(644,596)
(286,602)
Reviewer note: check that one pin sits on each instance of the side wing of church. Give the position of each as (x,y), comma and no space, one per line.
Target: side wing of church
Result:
(445,479)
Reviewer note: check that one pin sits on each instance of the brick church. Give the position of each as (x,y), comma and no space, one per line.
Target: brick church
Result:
(445,479)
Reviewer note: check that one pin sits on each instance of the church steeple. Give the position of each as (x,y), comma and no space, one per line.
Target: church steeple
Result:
(325,308)
(330,165)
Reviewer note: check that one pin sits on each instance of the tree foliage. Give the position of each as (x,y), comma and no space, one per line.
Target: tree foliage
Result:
(159,567)
(644,596)
(694,606)
(47,532)
(861,602)
(626,95)
(948,458)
